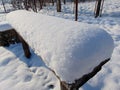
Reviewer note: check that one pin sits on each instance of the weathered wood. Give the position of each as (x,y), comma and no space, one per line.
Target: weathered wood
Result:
(24,45)
(8,37)
(64,86)
(80,82)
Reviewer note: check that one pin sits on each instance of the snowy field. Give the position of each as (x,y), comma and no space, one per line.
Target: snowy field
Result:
(19,73)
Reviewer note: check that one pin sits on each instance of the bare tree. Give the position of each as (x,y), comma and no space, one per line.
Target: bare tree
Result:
(52,2)
(34,6)
(98,8)
(64,1)
(58,3)
(26,5)
(17,4)
(4,6)
(101,7)
(30,4)
(76,9)
(41,4)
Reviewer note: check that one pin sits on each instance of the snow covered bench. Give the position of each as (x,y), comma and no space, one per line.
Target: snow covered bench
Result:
(71,49)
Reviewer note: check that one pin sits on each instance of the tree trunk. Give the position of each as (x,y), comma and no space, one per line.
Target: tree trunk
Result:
(53,2)
(58,5)
(64,1)
(4,6)
(76,9)
(101,8)
(34,6)
(98,8)
(26,4)
(40,2)
(63,86)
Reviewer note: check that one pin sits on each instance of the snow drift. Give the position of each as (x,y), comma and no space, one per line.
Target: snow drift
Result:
(70,48)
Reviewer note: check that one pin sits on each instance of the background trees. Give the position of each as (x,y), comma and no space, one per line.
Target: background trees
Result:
(4,6)
(37,5)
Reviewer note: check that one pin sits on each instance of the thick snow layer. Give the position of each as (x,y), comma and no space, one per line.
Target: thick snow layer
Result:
(5,26)
(107,79)
(70,48)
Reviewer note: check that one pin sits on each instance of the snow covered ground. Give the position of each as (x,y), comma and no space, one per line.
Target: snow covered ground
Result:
(19,73)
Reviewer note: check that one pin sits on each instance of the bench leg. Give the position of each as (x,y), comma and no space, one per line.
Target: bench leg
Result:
(24,45)
(26,49)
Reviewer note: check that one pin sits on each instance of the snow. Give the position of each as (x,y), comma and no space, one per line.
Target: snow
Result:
(63,45)
(19,73)
(5,26)
(107,79)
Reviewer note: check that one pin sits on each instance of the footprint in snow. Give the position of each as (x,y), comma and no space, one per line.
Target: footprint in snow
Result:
(28,78)
(44,74)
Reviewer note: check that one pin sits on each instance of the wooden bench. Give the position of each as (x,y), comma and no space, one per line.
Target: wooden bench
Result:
(73,51)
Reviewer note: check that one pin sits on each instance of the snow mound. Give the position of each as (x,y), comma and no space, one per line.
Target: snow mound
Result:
(5,26)
(70,48)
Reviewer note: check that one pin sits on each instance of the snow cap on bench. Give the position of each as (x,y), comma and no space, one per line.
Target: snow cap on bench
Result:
(5,26)
(72,49)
